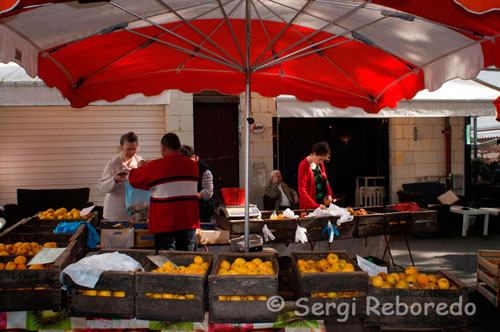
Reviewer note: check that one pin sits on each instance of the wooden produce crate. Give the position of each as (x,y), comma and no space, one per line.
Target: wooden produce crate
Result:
(167,309)
(33,225)
(327,282)
(371,224)
(488,275)
(423,221)
(144,238)
(451,299)
(81,305)
(242,285)
(31,290)
(395,221)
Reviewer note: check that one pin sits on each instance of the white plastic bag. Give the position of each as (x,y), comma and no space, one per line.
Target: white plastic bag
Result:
(300,234)
(117,238)
(87,270)
(289,214)
(268,235)
(335,211)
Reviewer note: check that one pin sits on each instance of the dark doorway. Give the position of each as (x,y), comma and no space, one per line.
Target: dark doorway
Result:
(360,147)
(216,141)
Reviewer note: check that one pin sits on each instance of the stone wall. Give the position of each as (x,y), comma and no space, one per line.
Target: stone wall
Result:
(423,159)
(179,116)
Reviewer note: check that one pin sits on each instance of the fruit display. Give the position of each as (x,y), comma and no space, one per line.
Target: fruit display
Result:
(240,266)
(332,263)
(360,212)
(61,213)
(24,248)
(411,279)
(199,266)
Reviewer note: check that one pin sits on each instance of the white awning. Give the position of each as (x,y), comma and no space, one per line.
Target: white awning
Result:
(457,98)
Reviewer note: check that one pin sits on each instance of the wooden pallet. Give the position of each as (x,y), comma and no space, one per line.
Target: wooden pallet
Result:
(242,285)
(417,298)
(185,310)
(488,275)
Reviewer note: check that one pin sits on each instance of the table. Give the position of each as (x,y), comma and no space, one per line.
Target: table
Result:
(466,213)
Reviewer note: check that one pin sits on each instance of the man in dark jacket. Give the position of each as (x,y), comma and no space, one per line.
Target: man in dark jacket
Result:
(284,196)
(205,185)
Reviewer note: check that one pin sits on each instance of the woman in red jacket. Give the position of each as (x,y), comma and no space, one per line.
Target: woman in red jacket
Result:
(313,182)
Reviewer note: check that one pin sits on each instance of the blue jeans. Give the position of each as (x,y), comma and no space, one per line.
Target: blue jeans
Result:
(184,240)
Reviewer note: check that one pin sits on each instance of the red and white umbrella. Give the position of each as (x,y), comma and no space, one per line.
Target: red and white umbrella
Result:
(369,54)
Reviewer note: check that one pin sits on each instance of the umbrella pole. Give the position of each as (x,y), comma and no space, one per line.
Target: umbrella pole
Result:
(248,106)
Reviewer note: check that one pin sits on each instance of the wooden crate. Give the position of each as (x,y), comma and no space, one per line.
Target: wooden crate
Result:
(80,305)
(371,224)
(185,310)
(324,282)
(242,285)
(423,221)
(34,225)
(488,275)
(415,298)
(18,291)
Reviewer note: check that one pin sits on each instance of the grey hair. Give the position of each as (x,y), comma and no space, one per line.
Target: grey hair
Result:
(274,173)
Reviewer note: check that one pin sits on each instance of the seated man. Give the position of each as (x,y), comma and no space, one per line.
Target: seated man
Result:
(284,197)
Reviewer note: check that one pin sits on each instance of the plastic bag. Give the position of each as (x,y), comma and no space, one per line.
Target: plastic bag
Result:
(268,236)
(117,238)
(86,272)
(300,234)
(289,214)
(136,200)
(333,210)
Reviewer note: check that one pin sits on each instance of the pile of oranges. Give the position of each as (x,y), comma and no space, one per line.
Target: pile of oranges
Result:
(170,296)
(332,263)
(243,298)
(199,266)
(411,279)
(61,213)
(24,248)
(19,263)
(331,295)
(241,266)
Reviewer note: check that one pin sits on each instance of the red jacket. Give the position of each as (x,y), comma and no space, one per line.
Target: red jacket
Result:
(173,182)
(307,187)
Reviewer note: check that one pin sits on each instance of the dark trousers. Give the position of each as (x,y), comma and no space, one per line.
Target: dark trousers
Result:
(184,240)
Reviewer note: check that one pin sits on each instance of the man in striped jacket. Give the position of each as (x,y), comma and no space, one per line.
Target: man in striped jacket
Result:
(173,207)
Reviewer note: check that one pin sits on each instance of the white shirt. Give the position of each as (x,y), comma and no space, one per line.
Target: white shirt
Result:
(284,199)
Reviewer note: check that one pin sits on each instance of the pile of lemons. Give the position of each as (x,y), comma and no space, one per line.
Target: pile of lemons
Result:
(24,248)
(61,213)
(411,279)
(332,263)
(199,266)
(94,292)
(241,266)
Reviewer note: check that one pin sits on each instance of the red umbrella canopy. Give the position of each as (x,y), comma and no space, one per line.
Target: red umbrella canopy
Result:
(349,53)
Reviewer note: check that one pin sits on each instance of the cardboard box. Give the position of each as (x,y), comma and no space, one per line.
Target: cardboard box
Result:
(117,238)
(212,237)
(144,238)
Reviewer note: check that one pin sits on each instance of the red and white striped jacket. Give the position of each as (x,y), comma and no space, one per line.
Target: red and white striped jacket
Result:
(173,182)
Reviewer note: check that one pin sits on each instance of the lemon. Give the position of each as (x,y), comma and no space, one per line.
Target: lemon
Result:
(119,294)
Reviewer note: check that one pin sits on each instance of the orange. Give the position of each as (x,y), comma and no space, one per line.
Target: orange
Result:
(348,268)
(402,285)
(50,245)
(11,249)
(411,279)
(391,280)
(4,253)
(377,281)
(422,280)
(22,251)
(21,267)
(261,298)
(20,260)
(234,298)
(2,266)
(2,247)
(239,261)
(119,294)
(411,270)
(432,278)
(36,267)
(225,265)
(443,283)
(257,261)
(10,266)
(189,296)
(104,293)
(90,292)
(396,276)
(198,260)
